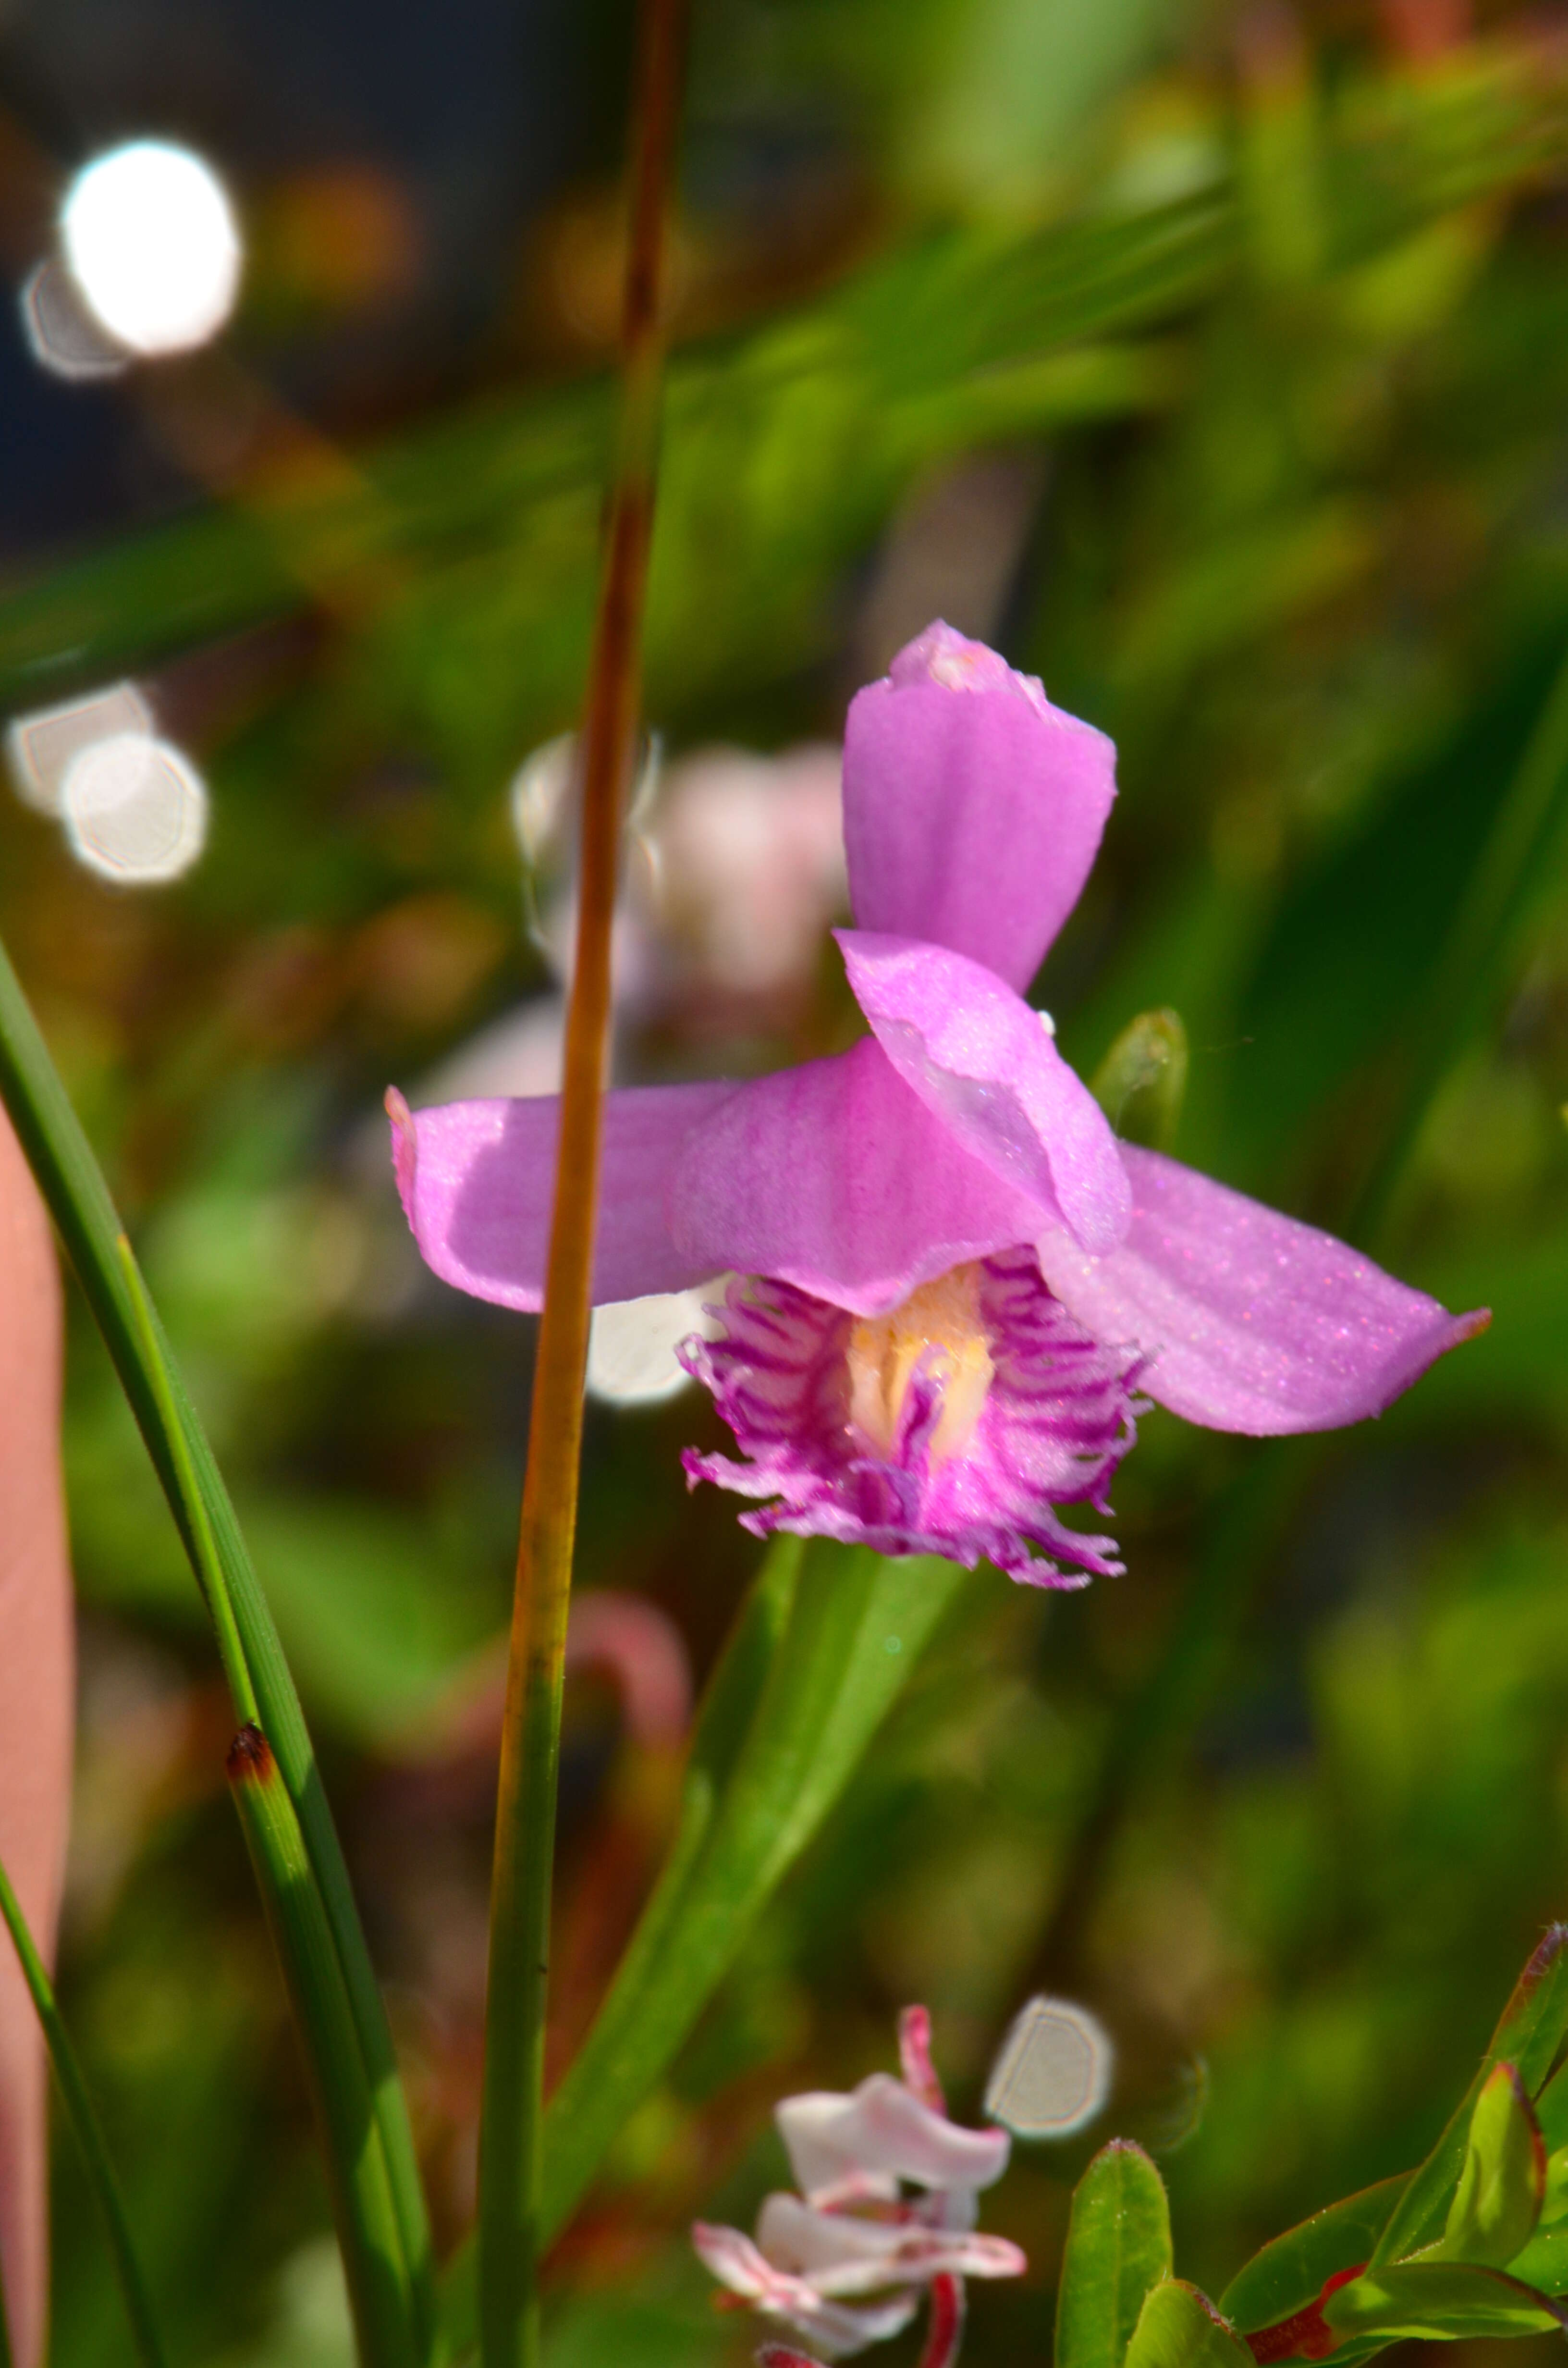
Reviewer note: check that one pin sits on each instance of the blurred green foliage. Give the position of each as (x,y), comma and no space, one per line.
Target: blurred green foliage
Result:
(1278,313)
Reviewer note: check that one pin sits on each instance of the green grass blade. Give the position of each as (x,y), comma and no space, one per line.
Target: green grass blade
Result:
(73,1185)
(82,2118)
(857,1623)
(1523,851)
(824,1644)
(363,2205)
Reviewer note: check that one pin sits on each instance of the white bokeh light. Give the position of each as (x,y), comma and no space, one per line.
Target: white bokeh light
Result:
(151,241)
(61,333)
(134,809)
(1053,2072)
(41,746)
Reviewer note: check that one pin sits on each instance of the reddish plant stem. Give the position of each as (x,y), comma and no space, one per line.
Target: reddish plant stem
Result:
(512,2116)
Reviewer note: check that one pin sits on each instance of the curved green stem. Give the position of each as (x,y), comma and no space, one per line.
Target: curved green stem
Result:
(83,2117)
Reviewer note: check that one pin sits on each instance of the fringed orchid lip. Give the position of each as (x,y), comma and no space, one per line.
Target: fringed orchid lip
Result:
(955,1424)
(955,1275)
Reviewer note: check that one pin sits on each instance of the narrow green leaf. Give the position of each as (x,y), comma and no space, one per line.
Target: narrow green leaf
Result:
(363,2206)
(1119,2246)
(1180,2327)
(857,1625)
(80,2112)
(1498,2200)
(824,1645)
(1528,2037)
(1290,2272)
(73,1186)
(1439,2299)
(1141,1082)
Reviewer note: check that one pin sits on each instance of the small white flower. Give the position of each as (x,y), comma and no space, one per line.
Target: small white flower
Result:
(854,2229)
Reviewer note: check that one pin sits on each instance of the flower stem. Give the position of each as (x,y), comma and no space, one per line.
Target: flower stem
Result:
(79,2111)
(511,2154)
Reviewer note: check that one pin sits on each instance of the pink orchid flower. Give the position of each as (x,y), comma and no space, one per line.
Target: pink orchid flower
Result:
(949,1279)
(853,2231)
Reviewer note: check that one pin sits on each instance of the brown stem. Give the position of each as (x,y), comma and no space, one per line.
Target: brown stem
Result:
(511,2123)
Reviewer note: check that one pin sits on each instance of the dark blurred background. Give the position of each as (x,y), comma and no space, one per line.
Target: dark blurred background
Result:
(1213,361)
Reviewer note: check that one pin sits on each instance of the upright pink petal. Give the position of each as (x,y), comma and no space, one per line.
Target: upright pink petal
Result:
(36,1702)
(478,1180)
(882,2133)
(988,1067)
(835,1178)
(920,2077)
(973,808)
(1250,1321)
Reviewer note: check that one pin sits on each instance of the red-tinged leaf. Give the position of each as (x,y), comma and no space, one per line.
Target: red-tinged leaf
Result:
(1439,2299)
(1498,2200)
(1528,2037)
(1290,2271)
(36,1700)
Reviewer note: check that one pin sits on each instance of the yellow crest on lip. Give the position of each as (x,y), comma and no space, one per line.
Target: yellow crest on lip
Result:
(938,1326)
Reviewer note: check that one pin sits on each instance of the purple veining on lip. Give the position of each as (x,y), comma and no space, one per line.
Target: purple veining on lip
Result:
(1058,1417)
(955,1138)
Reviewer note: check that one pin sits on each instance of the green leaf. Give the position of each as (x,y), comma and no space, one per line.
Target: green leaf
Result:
(1119,2246)
(1551,2110)
(824,1644)
(81,2114)
(73,1185)
(1439,2299)
(1290,2272)
(1498,2200)
(1141,1082)
(1180,2327)
(1528,2037)
(1544,2261)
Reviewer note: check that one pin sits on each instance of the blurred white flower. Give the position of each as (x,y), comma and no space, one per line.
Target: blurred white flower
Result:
(748,856)
(853,2231)
(632,1342)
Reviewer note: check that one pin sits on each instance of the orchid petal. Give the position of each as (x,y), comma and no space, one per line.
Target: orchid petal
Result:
(884,2131)
(833,1177)
(982,1062)
(840,2254)
(1250,1320)
(478,1184)
(36,1691)
(973,807)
